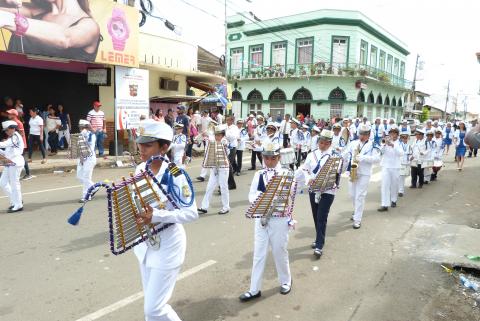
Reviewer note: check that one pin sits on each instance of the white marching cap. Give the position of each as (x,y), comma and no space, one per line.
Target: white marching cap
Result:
(438,130)
(178,125)
(305,126)
(83,122)
(337,125)
(8,124)
(364,129)
(420,131)
(271,149)
(430,132)
(316,129)
(151,130)
(272,125)
(428,121)
(251,115)
(326,134)
(394,127)
(260,117)
(220,129)
(293,120)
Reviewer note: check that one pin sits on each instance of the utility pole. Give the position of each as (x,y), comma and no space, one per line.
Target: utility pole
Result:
(446,99)
(415,74)
(465,108)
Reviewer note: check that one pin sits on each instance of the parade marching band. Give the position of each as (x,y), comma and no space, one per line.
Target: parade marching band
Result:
(293,156)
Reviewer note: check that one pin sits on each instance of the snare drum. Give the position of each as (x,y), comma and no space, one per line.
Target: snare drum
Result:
(287,156)
(405,170)
(427,164)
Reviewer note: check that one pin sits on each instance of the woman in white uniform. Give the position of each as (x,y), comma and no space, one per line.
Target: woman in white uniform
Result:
(178,145)
(10,179)
(85,167)
(160,267)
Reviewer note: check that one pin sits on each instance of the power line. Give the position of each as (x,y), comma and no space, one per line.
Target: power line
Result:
(200,9)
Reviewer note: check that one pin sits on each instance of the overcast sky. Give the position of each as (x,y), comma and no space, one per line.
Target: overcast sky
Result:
(446,34)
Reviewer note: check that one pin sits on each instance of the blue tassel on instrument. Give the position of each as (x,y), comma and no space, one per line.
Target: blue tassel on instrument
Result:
(164,180)
(75,218)
(315,170)
(261,184)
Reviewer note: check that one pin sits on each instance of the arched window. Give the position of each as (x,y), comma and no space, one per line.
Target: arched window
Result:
(394,102)
(302,94)
(236,96)
(337,98)
(255,99)
(277,103)
(400,104)
(387,101)
(371,98)
(379,99)
(361,97)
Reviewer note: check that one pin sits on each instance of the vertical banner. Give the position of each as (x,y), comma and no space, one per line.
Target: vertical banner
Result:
(132,97)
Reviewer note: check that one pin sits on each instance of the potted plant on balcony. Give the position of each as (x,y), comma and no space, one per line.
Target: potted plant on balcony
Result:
(363,72)
(278,69)
(312,69)
(320,67)
(302,70)
(349,71)
(290,72)
(383,77)
(329,70)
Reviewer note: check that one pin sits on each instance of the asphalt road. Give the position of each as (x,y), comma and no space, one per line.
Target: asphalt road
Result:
(384,271)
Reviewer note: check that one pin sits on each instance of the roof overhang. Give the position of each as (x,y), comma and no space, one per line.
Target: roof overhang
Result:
(191,74)
(174,99)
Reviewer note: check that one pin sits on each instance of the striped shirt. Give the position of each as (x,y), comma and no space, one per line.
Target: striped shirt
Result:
(96,119)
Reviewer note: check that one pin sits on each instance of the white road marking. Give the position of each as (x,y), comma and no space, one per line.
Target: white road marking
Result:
(48,190)
(137,296)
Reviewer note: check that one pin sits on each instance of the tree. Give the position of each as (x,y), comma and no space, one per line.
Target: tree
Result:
(425,114)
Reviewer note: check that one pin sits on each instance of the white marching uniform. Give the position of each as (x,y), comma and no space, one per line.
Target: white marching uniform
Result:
(178,149)
(404,130)
(85,167)
(314,143)
(405,163)
(218,177)
(306,142)
(391,163)
(367,156)
(258,136)
(275,235)
(10,179)
(429,157)
(160,267)
(209,137)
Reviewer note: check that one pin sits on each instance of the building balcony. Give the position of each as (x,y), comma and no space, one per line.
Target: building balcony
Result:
(319,69)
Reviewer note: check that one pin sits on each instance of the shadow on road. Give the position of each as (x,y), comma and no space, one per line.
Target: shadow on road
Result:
(83,243)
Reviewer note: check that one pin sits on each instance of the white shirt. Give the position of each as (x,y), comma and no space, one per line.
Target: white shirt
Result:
(438,153)
(14,149)
(285,127)
(259,135)
(178,148)
(35,123)
(407,152)
(52,123)
(296,138)
(314,142)
(242,139)
(233,135)
(220,118)
(305,173)
(306,141)
(366,156)
(392,155)
(205,122)
(171,253)
(418,152)
(405,130)
(91,140)
(197,119)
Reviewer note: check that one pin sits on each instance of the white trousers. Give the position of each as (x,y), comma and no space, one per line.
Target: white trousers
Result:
(10,184)
(390,178)
(84,173)
(427,172)
(217,177)
(401,184)
(64,133)
(275,235)
(158,287)
(204,172)
(358,193)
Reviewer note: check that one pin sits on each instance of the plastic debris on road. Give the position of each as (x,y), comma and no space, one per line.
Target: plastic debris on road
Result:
(470,284)
(473,257)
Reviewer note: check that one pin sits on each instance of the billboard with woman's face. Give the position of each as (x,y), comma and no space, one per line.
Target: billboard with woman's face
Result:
(82,30)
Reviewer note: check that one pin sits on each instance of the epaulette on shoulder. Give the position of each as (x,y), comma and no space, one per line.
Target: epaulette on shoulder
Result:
(174,170)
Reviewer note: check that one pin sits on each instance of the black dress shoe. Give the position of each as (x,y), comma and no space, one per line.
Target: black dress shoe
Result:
(382,209)
(202,211)
(252,169)
(413,186)
(285,288)
(200,179)
(247,296)
(394,204)
(426,183)
(400,194)
(11,207)
(237,173)
(14,211)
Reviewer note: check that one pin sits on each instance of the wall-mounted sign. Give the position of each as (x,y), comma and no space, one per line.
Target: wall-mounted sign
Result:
(98,76)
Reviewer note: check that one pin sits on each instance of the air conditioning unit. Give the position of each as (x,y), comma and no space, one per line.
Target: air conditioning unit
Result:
(168,84)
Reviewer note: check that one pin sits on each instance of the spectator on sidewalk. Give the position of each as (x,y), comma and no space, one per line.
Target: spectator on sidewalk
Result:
(19,108)
(96,118)
(65,128)
(13,115)
(53,124)
(36,134)
(169,119)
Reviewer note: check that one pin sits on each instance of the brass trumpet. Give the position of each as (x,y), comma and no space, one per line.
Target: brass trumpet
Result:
(354,165)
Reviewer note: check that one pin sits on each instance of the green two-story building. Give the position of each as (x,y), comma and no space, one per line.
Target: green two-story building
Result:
(325,63)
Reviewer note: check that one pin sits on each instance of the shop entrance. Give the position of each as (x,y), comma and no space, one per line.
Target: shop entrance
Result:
(302,108)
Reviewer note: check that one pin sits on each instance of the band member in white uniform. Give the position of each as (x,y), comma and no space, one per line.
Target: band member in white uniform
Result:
(429,157)
(179,143)
(376,134)
(391,162)
(364,153)
(306,141)
(337,138)
(404,128)
(438,153)
(85,167)
(314,138)
(274,234)
(10,179)
(296,140)
(320,203)
(160,267)
(272,136)
(243,137)
(405,169)
(258,135)
(416,160)
(232,134)
(218,177)
(207,136)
